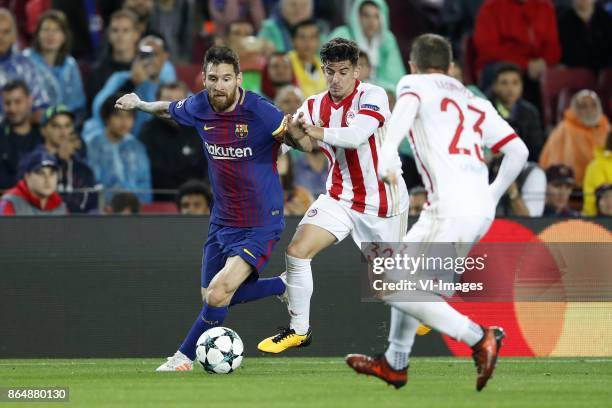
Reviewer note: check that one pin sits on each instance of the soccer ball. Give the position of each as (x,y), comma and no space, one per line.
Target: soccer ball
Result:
(219,350)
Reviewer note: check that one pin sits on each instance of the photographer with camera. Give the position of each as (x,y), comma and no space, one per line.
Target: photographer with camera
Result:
(143,79)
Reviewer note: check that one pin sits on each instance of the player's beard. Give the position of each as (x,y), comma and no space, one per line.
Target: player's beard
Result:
(220,101)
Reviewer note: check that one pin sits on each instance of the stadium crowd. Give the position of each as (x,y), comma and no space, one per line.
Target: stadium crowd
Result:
(64,148)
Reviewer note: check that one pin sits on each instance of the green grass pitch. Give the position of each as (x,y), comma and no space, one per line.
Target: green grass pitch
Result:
(316,382)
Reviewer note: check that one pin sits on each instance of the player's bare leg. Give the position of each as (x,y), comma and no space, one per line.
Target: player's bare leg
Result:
(217,296)
(308,241)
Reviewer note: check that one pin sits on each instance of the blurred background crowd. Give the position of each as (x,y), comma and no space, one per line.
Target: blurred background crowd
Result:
(545,65)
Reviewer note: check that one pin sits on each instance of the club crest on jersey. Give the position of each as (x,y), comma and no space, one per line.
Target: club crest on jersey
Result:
(350,115)
(242,130)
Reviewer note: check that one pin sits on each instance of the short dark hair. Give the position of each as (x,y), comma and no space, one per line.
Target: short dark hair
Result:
(368,3)
(310,22)
(506,67)
(123,200)
(108,107)
(431,51)
(16,84)
(171,85)
(340,49)
(221,54)
(194,187)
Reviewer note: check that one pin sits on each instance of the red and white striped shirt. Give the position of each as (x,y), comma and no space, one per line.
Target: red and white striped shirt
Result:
(352,177)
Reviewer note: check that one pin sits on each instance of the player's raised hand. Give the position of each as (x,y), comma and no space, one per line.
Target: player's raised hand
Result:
(128,102)
(295,126)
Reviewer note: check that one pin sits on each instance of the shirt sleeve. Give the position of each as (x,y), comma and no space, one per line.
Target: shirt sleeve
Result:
(375,103)
(272,117)
(181,111)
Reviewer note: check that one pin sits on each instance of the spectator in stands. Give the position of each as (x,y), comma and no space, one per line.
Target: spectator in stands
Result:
(75,176)
(175,152)
(36,193)
(368,26)
(194,198)
(123,36)
(289,99)
(297,198)
(604,200)
(251,50)
(277,28)
(19,135)
(560,182)
(76,179)
(276,74)
(14,65)
(305,61)
(418,198)
(50,51)
(526,195)
(310,171)
(521,32)
(123,203)
(143,79)
(143,9)
(173,19)
(118,159)
(224,12)
(457,20)
(573,141)
(365,68)
(585,31)
(506,95)
(598,173)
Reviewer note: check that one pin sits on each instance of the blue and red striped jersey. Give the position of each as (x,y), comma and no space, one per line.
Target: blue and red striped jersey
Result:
(241,154)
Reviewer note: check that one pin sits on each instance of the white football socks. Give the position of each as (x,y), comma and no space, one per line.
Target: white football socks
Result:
(437,314)
(299,290)
(401,338)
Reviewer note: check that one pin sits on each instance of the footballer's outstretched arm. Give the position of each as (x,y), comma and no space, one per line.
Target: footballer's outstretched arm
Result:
(349,137)
(132,101)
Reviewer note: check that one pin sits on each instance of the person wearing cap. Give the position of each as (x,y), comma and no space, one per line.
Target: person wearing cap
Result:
(19,135)
(36,193)
(604,200)
(598,173)
(75,176)
(560,182)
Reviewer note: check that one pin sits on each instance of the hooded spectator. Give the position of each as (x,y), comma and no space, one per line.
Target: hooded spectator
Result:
(276,74)
(50,51)
(369,27)
(573,141)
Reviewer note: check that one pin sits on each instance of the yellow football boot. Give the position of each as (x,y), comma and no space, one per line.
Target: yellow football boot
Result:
(284,340)
(422,330)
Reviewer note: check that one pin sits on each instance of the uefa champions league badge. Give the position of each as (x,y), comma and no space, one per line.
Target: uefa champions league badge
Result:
(312,212)
(180,103)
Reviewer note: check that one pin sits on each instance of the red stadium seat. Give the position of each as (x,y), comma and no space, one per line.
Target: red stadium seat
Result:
(186,73)
(554,80)
(160,207)
(468,59)
(605,90)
